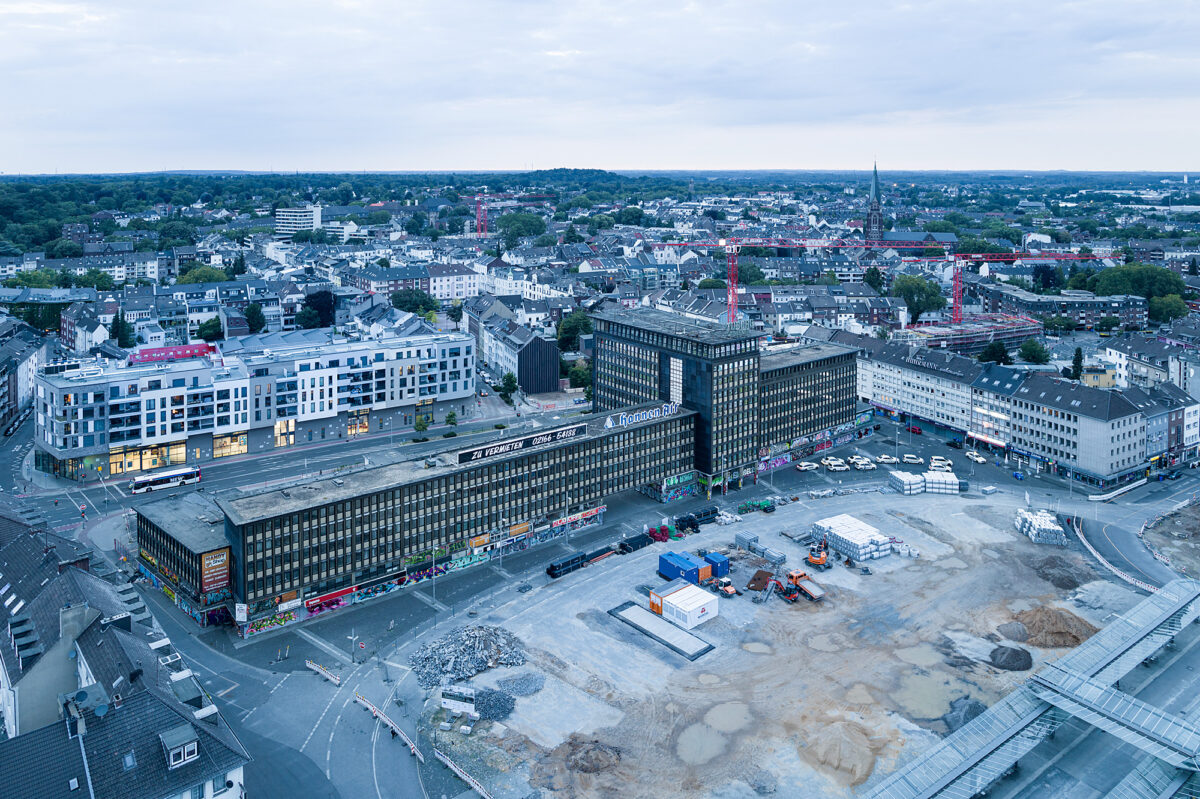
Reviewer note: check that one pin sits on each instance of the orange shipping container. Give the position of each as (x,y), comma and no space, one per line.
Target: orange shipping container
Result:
(657,594)
(705,572)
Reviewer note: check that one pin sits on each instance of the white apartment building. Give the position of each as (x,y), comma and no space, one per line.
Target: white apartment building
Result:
(293,220)
(258,393)
(930,384)
(449,282)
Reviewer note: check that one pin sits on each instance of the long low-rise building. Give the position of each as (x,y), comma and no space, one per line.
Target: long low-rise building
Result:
(301,550)
(99,418)
(1082,307)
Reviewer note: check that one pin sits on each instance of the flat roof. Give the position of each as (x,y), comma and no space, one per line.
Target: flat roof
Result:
(193,519)
(676,325)
(243,507)
(769,361)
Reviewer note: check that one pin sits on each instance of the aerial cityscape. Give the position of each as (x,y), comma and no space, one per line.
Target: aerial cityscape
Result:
(554,401)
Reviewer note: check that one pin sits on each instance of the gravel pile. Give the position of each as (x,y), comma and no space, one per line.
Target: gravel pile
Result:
(526,683)
(465,652)
(962,710)
(1011,658)
(1014,631)
(493,705)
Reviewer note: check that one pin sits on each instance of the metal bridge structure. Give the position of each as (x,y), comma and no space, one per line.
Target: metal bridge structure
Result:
(1084,684)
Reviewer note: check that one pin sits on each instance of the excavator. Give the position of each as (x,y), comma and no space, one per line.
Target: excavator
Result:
(798,583)
(818,556)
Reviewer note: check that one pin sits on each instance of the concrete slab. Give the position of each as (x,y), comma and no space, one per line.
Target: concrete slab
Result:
(661,630)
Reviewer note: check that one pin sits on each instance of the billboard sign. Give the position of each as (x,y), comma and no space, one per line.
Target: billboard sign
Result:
(214,570)
(514,445)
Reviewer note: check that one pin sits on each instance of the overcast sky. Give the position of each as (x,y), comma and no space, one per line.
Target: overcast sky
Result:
(656,84)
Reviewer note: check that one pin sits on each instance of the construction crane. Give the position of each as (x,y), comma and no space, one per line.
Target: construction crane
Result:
(732,244)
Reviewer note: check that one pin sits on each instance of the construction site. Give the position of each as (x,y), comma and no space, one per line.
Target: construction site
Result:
(971,335)
(824,644)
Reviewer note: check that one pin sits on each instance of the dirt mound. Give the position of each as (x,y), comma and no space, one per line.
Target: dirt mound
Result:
(591,757)
(962,710)
(1011,658)
(1062,573)
(844,746)
(1052,628)
(1014,631)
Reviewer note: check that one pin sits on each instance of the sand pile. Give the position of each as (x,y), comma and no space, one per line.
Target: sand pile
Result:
(1054,628)
(845,746)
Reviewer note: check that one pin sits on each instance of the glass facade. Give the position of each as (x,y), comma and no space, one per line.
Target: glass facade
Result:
(806,397)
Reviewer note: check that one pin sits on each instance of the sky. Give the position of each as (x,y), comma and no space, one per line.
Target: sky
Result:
(413,85)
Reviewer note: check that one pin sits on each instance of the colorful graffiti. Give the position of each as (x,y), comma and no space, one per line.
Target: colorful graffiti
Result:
(278,620)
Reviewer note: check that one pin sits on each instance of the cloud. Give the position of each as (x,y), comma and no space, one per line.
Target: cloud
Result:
(133,84)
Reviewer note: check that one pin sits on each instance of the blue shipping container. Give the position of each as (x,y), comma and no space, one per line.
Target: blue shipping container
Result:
(719,563)
(674,567)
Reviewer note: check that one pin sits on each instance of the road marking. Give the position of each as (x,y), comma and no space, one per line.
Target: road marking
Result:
(281,682)
(397,666)
(320,718)
(227,690)
(323,644)
(430,601)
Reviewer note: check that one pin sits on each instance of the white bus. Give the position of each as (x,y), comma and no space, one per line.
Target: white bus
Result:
(167,479)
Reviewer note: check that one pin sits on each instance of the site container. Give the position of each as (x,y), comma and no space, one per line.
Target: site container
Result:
(703,567)
(674,567)
(566,564)
(657,594)
(719,563)
(706,514)
(690,606)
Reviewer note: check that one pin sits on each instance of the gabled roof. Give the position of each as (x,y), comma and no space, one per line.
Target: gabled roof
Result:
(1065,395)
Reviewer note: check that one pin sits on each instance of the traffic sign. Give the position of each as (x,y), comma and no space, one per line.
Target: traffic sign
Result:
(82,508)
(362,644)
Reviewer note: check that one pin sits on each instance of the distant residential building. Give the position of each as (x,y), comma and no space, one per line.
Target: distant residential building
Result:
(1082,307)
(509,347)
(449,282)
(294,220)
(386,279)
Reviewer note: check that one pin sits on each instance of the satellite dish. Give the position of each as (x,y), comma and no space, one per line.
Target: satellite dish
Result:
(81,696)
(101,710)
(71,654)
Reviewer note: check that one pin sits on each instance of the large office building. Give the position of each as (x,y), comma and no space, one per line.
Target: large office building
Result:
(749,406)
(294,220)
(99,418)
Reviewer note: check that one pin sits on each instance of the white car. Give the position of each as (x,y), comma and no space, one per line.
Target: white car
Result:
(976,457)
(857,458)
(940,467)
(913,459)
(887,459)
(938,460)
(837,467)
(864,466)
(830,461)
(806,466)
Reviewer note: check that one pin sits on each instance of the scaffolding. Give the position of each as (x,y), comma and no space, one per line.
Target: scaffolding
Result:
(973,334)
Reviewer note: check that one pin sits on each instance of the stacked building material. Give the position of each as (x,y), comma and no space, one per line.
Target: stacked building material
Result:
(852,538)
(941,483)
(1041,527)
(906,482)
(744,540)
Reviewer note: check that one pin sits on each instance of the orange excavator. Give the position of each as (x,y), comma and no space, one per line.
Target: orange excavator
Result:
(818,556)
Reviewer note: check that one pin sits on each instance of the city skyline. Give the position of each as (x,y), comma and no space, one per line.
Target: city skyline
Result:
(367,87)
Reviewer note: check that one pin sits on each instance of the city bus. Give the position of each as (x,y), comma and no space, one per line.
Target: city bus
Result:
(167,479)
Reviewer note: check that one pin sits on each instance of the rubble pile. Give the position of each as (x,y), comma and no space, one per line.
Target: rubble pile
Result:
(526,683)
(493,705)
(465,652)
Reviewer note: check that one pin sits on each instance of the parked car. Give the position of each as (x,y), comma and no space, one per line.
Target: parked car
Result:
(829,460)
(954,443)
(909,458)
(837,467)
(912,428)
(1019,475)
(806,466)
(975,456)
(940,467)
(864,466)
(1174,475)
(887,459)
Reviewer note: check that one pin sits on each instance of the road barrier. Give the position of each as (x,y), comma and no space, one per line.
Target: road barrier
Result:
(464,776)
(324,672)
(379,714)
(1077,526)
(1116,493)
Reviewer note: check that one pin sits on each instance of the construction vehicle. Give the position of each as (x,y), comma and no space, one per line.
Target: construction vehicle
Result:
(722,586)
(818,556)
(786,592)
(801,582)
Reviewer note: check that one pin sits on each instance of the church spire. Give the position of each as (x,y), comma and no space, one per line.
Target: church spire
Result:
(875,184)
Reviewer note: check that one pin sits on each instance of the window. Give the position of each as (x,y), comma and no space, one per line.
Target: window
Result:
(184,754)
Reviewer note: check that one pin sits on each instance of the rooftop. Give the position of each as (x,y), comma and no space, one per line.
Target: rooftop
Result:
(192,519)
(675,325)
(771,361)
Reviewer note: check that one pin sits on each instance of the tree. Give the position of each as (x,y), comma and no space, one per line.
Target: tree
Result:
(452,419)
(750,274)
(1144,280)
(572,236)
(1193,268)
(431,317)
(455,314)
(420,424)
(995,352)
(545,240)
(94,278)
(203,274)
(1032,351)
(1108,323)
(874,278)
(508,386)
(122,331)
(239,266)
(322,303)
(711,283)
(1164,309)
(1077,364)
(307,318)
(414,301)
(415,225)
(580,375)
(64,248)
(210,330)
(919,295)
(255,318)
(1059,324)
(378,218)
(569,329)
(514,227)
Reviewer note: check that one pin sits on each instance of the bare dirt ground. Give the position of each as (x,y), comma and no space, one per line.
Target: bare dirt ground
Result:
(829,696)
(1178,537)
